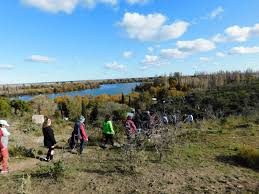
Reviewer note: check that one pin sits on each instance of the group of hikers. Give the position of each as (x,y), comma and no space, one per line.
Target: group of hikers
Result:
(135,123)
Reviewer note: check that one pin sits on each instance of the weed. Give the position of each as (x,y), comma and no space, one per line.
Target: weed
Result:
(25,187)
(18,150)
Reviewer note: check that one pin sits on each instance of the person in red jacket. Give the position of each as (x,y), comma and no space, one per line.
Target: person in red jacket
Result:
(79,134)
(4,155)
(130,128)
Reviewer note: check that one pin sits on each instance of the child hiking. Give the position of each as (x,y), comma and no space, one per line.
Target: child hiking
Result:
(130,128)
(108,131)
(4,133)
(49,139)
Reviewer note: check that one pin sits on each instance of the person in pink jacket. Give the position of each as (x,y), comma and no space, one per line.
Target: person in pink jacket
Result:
(130,128)
(4,145)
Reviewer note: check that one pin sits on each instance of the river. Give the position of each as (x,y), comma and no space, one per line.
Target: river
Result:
(110,89)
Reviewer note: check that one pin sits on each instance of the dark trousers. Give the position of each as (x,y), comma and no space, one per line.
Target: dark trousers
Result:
(82,145)
(108,137)
(50,153)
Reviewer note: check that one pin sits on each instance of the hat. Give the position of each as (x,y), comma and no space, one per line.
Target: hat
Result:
(4,122)
(81,119)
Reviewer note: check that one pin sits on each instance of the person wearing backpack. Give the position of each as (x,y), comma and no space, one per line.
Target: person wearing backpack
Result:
(49,139)
(4,155)
(108,131)
(130,128)
(79,134)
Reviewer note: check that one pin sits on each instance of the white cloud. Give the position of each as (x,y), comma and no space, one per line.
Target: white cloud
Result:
(40,59)
(151,59)
(6,67)
(53,6)
(205,59)
(152,27)
(216,12)
(67,6)
(237,34)
(197,45)
(220,54)
(244,50)
(132,2)
(150,49)
(174,53)
(115,66)
(92,3)
(127,54)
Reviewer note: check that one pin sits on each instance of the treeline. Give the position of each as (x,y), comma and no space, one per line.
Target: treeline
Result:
(176,81)
(59,87)
(203,95)
(94,108)
(34,89)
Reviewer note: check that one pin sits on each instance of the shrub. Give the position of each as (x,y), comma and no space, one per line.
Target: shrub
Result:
(5,107)
(249,156)
(43,105)
(21,151)
(25,187)
(58,170)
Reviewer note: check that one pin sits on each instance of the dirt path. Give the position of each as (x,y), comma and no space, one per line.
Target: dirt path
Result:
(22,165)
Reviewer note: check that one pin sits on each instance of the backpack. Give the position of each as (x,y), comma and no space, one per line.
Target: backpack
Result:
(77,131)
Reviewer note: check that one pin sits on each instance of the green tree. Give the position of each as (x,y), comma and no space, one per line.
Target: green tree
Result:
(5,107)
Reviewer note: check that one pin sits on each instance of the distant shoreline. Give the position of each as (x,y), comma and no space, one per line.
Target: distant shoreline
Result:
(15,90)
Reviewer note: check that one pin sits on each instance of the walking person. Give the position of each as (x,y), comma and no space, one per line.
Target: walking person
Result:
(79,134)
(108,131)
(49,139)
(137,121)
(4,136)
(130,128)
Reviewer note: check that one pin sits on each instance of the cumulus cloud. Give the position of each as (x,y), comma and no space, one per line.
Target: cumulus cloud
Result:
(197,45)
(127,54)
(67,6)
(53,6)
(187,48)
(132,2)
(115,66)
(6,67)
(174,53)
(216,12)
(152,27)
(151,59)
(40,59)
(237,34)
(244,50)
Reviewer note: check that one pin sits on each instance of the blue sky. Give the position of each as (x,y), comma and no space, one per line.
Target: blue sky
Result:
(61,40)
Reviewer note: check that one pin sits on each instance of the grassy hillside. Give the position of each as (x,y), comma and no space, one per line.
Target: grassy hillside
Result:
(206,157)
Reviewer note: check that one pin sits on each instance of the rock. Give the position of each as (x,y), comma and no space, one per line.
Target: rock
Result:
(38,119)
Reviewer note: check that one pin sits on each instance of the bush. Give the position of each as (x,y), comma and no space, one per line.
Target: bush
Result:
(58,170)
(249,156)
(16,151)
(5,107)
(43,105)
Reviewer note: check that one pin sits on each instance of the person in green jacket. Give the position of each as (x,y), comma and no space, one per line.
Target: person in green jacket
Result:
(108,131)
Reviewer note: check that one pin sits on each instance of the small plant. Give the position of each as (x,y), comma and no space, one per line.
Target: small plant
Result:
(22,151)
(248,156)
(58,170)
(25,187)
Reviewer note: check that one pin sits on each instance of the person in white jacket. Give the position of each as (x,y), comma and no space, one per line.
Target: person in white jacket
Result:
(4,135)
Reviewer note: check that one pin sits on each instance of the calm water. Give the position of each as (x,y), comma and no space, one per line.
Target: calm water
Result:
(110,89)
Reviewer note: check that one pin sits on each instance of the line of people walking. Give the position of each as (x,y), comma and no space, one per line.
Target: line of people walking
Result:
(133,125)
